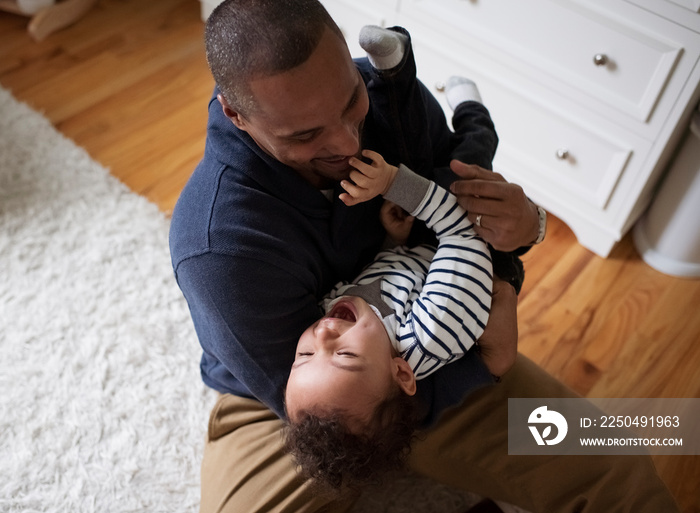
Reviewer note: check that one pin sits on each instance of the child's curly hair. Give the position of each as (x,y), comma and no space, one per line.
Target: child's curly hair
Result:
(334,457)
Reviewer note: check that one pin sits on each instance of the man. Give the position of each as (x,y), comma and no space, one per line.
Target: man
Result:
(259,236)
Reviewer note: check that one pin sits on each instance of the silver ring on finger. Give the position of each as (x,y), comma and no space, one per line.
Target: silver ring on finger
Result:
(478,221)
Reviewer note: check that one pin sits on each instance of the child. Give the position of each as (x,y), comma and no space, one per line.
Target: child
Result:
(407,314)
(350,393)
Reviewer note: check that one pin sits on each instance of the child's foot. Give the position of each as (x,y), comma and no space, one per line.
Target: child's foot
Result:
(385,48)
(460,89)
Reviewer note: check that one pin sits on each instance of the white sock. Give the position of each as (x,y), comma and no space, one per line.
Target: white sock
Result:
(460,89)
(385,48)
(33,6)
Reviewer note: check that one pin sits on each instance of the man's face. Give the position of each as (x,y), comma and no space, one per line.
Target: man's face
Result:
(310,117)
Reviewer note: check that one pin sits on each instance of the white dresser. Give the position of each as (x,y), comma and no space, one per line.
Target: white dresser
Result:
(589,97)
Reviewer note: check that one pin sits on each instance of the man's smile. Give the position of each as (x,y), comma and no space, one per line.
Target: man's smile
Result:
(338,163)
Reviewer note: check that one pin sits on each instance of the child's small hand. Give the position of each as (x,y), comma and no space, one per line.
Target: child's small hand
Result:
(396,222)
(368,180)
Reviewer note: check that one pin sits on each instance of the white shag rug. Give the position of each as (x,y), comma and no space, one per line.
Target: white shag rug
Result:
(101,404)
(102,408)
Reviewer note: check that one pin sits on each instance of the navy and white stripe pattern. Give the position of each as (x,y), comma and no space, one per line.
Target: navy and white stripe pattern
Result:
(441,298)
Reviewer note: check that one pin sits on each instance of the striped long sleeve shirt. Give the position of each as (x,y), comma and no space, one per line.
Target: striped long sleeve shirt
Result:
(434,302)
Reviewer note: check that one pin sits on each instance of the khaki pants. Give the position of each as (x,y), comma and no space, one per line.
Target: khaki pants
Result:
(245,469)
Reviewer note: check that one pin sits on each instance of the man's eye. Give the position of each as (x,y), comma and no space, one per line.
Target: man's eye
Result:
(304,137)
(354,100)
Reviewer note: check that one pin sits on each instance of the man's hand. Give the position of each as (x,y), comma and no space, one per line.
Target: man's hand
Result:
(507,219)
(396,222)
(368,180)
(499,342)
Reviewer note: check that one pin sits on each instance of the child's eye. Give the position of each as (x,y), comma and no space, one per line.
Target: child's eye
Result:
(304,354)
(347,353)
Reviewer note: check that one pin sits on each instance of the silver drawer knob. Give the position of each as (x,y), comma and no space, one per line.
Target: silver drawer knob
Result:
(600,59)
(562,154)
(440,87)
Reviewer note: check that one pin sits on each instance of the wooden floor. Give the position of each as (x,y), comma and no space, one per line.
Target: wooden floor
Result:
(130,84)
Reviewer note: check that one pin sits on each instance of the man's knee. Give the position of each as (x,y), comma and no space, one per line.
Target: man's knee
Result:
(245,467)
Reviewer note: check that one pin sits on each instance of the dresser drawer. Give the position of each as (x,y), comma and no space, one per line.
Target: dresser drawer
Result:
(540,145)
(586,46)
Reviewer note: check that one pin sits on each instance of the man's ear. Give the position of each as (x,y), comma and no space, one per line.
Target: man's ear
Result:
(403,374)
(230,113)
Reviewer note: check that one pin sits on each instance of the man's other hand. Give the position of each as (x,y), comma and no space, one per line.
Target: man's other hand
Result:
(501,212)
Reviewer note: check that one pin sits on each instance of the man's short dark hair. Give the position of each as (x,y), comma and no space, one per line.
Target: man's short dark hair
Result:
(336,458)
(246,39)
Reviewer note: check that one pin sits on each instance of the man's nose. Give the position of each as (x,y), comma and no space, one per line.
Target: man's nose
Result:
(345,139)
